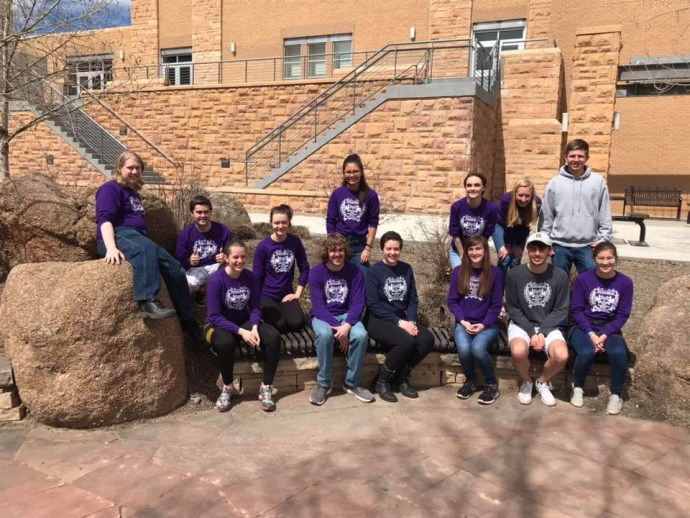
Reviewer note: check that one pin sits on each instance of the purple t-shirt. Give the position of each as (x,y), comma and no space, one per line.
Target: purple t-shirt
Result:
(231,302)
(516,235)
(466,221)
(336,293)
(205,244)
(121,206)
(606,300)
(471,307)
(274,266)
(345,215)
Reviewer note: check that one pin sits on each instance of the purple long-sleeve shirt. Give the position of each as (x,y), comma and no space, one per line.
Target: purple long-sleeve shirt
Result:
(231,302)
(336,293)
(345,216)
(206,244)
(607,300)
(466,221)
(471,307)
(121,206)
(517,235)
(274,266)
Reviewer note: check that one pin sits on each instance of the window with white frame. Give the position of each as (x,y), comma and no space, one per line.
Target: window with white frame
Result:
(509,34)
(176,66)
(88,73)
(292,61)
(314,57)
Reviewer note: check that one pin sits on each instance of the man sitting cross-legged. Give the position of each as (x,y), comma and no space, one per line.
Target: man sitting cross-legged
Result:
(537,302)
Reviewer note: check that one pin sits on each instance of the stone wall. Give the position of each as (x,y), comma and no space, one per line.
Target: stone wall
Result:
(450,19)
(145,32)
(206,38)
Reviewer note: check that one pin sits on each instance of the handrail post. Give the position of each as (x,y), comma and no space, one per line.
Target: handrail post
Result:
(280,142)
(274,69)
(316,120)
(395,64)
(246,64)
(354,92)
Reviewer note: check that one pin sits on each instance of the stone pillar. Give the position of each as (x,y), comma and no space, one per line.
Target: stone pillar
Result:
(593,91)
(206,39)
(539,21)
(145,37)
(450,19)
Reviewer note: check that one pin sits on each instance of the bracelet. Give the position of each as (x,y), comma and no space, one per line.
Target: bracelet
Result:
(591,333)
(367,246)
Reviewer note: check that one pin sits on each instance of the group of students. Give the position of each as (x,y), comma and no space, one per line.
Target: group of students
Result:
(352,300)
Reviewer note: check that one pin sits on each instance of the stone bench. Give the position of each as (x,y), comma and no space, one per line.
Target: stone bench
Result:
(11,408)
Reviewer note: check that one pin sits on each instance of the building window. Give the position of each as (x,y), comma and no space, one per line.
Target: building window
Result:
(88,73)
(661,75)
(177,67)
(319,54)
(509,34)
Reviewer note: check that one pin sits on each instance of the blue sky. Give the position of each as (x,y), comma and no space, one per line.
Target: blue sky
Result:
(120,14)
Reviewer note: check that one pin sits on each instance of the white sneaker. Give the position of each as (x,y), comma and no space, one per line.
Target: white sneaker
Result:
(615,405)
(545,394)
(578,398)
(525,394)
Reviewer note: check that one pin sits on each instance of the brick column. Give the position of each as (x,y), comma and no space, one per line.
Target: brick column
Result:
(538,21)
(145,36)
(450,19)
(593,90)
(206,39)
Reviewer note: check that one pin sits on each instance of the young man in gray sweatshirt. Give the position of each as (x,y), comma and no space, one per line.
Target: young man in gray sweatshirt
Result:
(537,297)
(577,210)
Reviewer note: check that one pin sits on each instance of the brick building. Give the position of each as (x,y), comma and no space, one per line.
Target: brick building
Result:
(194,85)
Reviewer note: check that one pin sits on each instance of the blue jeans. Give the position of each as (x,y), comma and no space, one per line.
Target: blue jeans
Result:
(471,348)
(149,261)
(325,342)
(357,245)
(616,351)
(509,261)
(455,258)
(566,256)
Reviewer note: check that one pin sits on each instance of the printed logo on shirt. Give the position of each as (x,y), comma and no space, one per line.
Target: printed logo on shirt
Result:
(205,248)
(350,210)
(472,225)
(336,291)
(395,288)
(136,205)
(537,294)
(237,298)
(282,260)
(474,288)
(604,300)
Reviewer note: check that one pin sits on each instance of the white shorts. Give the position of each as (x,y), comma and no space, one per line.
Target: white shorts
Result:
(515,331)
(198,275)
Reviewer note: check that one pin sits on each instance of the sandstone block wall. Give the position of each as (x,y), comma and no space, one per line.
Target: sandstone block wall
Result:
(206,38)
(145,32)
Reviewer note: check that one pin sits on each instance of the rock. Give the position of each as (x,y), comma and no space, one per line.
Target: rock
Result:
(227,210)
(81,356)
(662,368)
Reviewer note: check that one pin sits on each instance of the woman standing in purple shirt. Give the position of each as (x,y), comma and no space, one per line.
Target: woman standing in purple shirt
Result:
(233,314)
(122,234)
(353,211)
(601,305)
(274,267)
(519,214)
(474,298)
(471,216)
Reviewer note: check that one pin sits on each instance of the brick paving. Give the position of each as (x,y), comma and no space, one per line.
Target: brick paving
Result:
(436,456)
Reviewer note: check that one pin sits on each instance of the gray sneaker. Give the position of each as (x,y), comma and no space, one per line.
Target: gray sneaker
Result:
(359,392)
(615,405)
(223,402)
(266,398)
(318,395)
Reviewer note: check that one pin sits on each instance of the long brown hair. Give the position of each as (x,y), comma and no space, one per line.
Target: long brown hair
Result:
(526,216)
(466,269)
(121,160)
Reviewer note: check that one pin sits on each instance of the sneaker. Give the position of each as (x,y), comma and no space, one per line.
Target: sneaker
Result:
(545,394)
(615,405)
(489,395)
(318,395)
(578,397)
(359,392)
(155,309)
(468,388)
(223,402)
(525,394)
(266,398)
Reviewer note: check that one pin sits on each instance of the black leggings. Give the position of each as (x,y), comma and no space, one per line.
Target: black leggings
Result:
(284,316)
(224,342)
(405,348)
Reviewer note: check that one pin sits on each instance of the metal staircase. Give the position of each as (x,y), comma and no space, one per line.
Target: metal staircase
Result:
(433,69)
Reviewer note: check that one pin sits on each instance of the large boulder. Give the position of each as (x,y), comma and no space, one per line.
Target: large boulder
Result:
(662,368)
(82,357)
(227,209)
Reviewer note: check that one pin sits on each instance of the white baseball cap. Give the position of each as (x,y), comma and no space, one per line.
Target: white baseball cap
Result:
(539,237)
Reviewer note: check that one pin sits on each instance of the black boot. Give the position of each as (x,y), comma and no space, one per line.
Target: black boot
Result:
(401,382)
(383,387)
(191,328)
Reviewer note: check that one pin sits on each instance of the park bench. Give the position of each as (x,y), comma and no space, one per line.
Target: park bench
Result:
(647,197)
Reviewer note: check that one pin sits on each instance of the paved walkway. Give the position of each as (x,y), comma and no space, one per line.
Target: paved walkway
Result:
(667,239)
(436,456)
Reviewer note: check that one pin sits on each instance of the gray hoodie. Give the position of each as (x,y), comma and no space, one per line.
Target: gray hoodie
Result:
(577,210)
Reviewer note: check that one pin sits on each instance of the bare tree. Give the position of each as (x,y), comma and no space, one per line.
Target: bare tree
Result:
(35,36)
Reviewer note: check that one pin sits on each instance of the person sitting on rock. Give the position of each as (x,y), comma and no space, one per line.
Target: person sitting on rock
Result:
(537,302)
(337,293)
(601,305)
(233,314)
(122,234)
(200,245)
